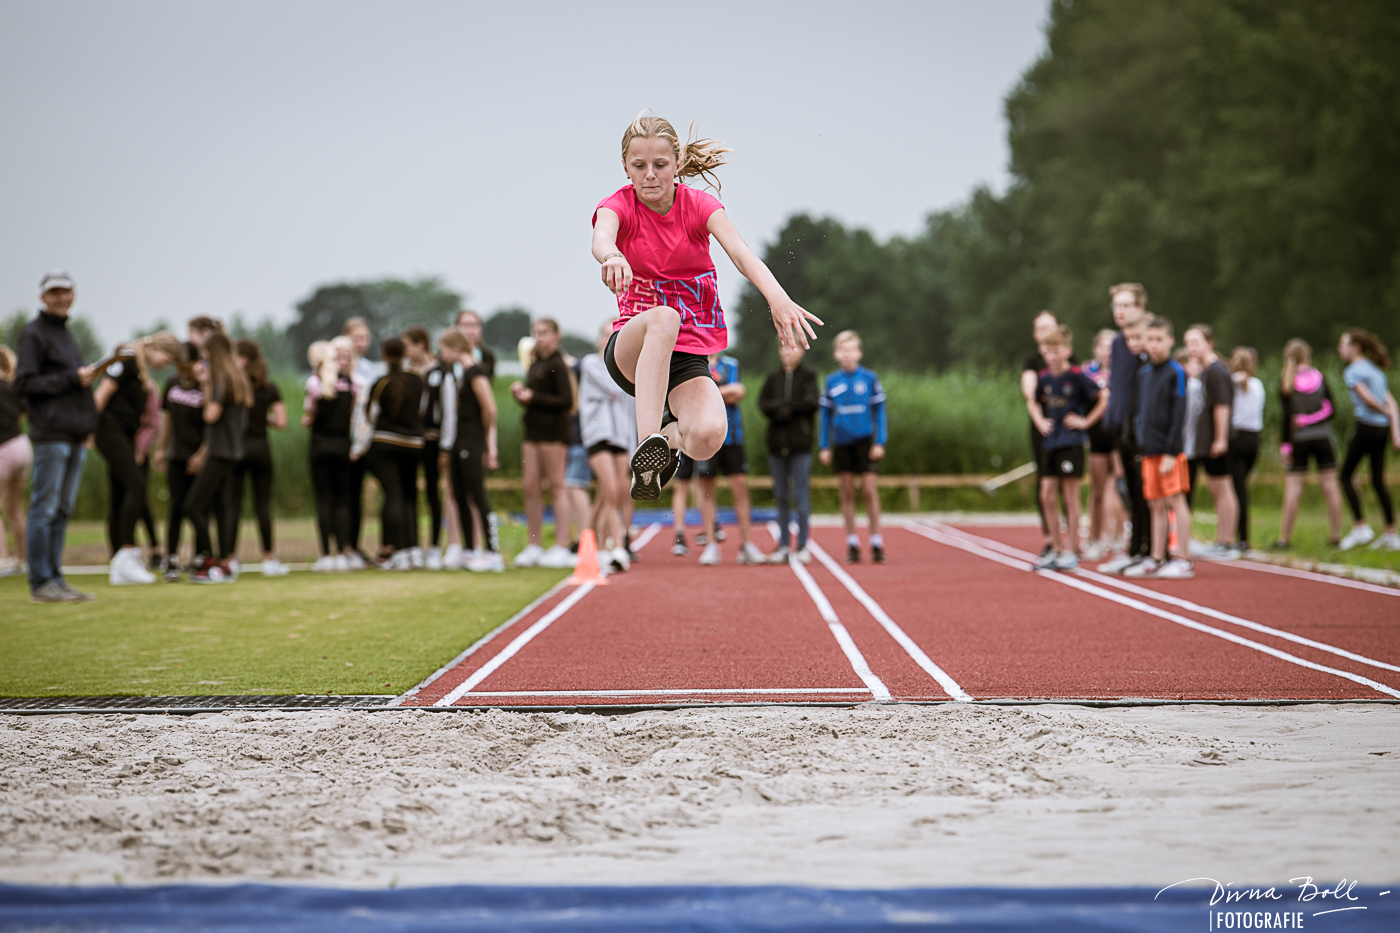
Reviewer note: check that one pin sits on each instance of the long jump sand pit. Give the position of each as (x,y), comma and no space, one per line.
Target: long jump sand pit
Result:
(867,797)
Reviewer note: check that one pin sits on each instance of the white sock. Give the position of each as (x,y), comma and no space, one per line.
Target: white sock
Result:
(877,540)
(852,540)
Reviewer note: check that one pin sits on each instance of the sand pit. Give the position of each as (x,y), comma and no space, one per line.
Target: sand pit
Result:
(872,797)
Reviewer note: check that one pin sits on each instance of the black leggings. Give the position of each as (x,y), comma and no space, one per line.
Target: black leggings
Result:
(257,463)
(126,481)
(330,478)
(432,479)
(1369,440)
(396,468)
(147,518)
(355,497)
(206,494)
(468,467)
(1140,542)
(177,485)
(1244,450)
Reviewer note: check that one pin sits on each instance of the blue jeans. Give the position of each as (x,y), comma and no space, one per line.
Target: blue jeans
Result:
(796,468)
(58,468)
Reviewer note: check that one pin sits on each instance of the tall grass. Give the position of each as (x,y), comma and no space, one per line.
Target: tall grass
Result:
(956,421)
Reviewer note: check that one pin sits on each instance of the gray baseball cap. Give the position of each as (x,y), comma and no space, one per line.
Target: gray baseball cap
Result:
(55,279)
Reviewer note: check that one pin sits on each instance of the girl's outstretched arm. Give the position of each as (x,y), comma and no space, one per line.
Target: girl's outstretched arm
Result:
(789,318)
(617,272)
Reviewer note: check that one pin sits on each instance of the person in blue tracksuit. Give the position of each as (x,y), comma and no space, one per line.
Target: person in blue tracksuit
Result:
(854,431)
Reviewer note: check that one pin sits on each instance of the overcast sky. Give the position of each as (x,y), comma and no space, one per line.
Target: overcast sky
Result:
(190,158)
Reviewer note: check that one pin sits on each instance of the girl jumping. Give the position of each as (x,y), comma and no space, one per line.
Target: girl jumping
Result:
(652,237)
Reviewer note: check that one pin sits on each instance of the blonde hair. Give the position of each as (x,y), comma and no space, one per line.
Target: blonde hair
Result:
(165,342)
(847,335)
(454,339)
(321,356)
(7,364)
(224,371)
(1244,360)
(1107,333)
(1061,336)
(1296,354)
(698,157)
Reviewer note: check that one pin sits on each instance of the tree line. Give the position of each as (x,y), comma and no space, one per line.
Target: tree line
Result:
(1236,156)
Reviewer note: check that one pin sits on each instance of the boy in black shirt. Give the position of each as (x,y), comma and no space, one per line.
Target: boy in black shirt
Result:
(789,399)
(1069,402)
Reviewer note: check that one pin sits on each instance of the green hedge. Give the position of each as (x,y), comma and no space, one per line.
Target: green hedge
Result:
(958,421)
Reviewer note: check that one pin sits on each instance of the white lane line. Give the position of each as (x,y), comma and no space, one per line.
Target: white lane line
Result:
(1309,575)
(1078,584)
(510,650)
(1105,579)
(877,612)
(764,691)
(645,537)
(480,643)
(843,638)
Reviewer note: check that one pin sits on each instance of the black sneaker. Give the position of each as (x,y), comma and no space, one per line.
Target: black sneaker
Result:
(877,554)
(852,554)
(157,562)
(679,549)
(651,457)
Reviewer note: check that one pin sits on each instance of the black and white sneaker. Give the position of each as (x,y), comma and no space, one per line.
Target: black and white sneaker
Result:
(651,457)
(719,532)
(852,554)
(669,470)
(877,553)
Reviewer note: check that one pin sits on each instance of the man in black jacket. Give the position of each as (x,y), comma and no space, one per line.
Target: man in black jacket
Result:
(55,384)
(789,400)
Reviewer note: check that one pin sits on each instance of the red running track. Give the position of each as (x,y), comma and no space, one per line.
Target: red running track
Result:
(956,614)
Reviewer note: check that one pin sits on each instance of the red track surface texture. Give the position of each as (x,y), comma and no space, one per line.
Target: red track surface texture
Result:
(956,614)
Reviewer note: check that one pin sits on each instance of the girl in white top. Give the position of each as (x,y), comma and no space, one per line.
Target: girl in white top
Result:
(607,421)
(1246,425)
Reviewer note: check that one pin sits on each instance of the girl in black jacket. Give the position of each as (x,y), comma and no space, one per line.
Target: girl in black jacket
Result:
(394,450)
(549,397)
(790,397)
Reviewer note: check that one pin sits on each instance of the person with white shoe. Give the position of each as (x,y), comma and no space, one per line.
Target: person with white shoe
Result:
(607,423)
(549,396)
(329,405)
(789,399)
(472,452)
(268,411)
(121,399)
(1212,440)
(16,457)
(1377,421)
(392,449)
(439,413)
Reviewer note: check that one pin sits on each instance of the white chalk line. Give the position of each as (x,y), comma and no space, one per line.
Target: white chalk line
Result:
(727,691)
(1105,579)
(510,650)
(1309,575)
(843,638)
(643,539)
(877,612)
(480,643)
(1078,584)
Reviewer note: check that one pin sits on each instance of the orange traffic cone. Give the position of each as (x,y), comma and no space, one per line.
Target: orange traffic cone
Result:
(587,570)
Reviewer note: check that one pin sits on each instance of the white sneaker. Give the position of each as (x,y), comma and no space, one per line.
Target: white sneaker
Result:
(235,567)
(558,557)
(1046,561)
(1220,552)
(353,561)
(1390,542)
(804,556)
(1196,548)
(1117,564)
(326,564)
(1094,551)
(416,559)
(1066,561)
(399,560)
(710,556)
(530,557)
(8,566)
(750,554)
(1361,534)
(433,559)
(621,560)
(779,555)
(452,557)
(1147,567)
(274,568)
(126,570)
(1176,569)
(341,563)
(484,562)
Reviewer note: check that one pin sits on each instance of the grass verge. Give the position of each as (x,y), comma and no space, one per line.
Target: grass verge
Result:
(369,632)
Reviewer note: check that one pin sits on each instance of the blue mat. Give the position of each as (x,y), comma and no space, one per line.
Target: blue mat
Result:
(464,908)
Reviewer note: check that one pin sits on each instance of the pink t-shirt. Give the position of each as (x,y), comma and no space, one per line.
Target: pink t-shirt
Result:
(670,258)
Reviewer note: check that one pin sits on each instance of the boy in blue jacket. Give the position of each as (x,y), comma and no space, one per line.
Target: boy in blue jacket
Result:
(853,435)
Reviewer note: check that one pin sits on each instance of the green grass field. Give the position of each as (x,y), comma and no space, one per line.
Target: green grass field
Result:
(369,632)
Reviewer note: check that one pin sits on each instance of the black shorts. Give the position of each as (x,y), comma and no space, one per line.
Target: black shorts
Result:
(1100,439)
(603,447)
(1064,462)
(684,367)
(1320,450)
(730,460)
(1217,466)
(854,457)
